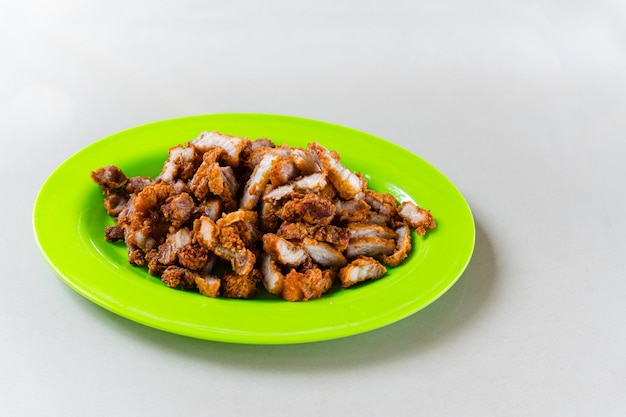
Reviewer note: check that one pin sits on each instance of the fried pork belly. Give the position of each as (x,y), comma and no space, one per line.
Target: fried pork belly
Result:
(109,178)
(144,225)
(178,209)
(355,210)
(168,250)
(115,203)
(417,217)
(255,186)
(181,164)
(241,285)
(208,285)
(361,269)
(307,285)
(403,247)
(211,208)
(334,235)
(347,183)
(113,233)
(245,223)
(194,257)
(225,243)
(308,208)
(384,204)
(211,178)
(309,184)
(372,246)
(283,251)
(273,278)
(324,254)
(177,277)
(360,229)
(136,184)
(232,145)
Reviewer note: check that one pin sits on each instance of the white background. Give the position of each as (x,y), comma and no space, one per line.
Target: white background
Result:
(522,104)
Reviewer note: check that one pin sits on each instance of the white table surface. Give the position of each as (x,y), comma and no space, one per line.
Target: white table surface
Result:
(521,104)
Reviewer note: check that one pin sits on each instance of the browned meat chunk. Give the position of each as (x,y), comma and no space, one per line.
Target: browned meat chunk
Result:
(417,218)
(178,209)
(323,254)
(355,210)
(115,203)
(283,251)
(403,247)
(308,208)
(307,285)
(225,243)
(347,183)
(109,178)
(273,278)
(336,236)
(241,286)
(371,246)
(232,145)
(361,269)
(181,164)
(208,285)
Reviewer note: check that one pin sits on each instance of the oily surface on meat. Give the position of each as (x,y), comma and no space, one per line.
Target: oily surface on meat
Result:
(228,216)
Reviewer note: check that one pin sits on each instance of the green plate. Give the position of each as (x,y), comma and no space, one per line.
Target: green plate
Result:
(69,221)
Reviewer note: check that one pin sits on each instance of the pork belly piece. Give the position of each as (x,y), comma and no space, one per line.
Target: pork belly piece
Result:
(245,223)
(268,221)
(208,285)
(377,218)
(283,251)
(283,171)
(213,178)
(194,256)
(308,208)
(403,247)
(417,217)
(178,209)
(225,243)
(145,227)
(232,145)
(324,254)
(347,183)
(113,233)
(168,250)
(273,278)
(109,178)
(358,230)
(255,186)
(355,210)
(180,278)
(136,184)
(181,164)
(335,235)
(241,285)
(361,269)
(251,147)
(211,208)
(115,202)
(308,184)
(371,246)
(307,285)
(384,204)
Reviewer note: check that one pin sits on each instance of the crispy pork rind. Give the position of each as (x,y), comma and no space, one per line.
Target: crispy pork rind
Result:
(227,216)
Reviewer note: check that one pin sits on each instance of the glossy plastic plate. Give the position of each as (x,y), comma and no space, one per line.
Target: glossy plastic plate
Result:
(69,221)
